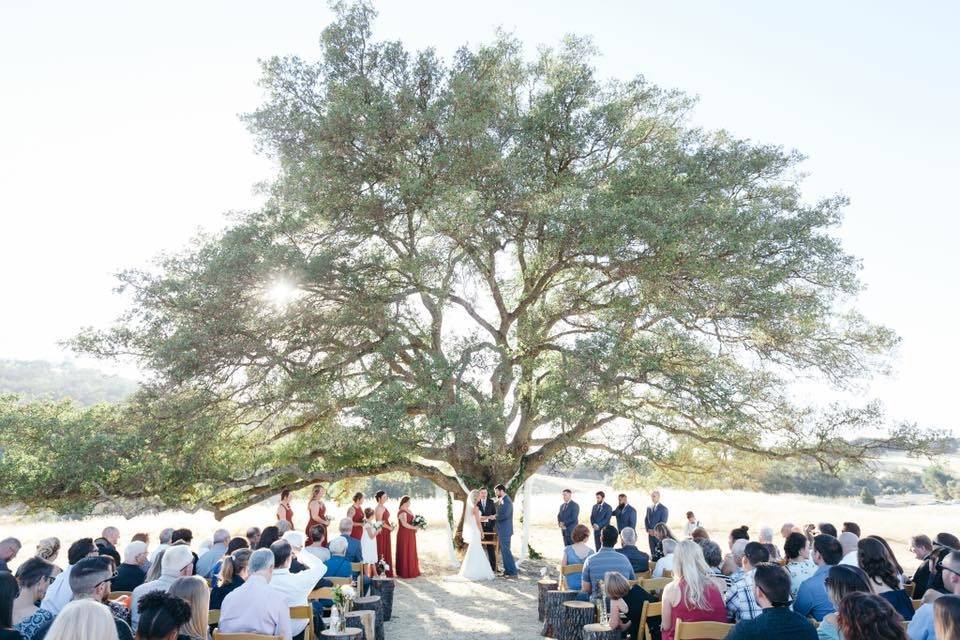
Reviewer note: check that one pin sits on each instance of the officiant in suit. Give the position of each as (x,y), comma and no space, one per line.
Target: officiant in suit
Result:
(488,510)
(656,513)
(568,517)
(504,523)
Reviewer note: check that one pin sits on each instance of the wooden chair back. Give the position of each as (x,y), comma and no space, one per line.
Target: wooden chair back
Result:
(650,610)
(701,630)
(213,617)
(339,582)
(667,573)
(909,589)
(243,636)
(644,575)
(655,584)
(359,568)
(568,570)
(304,612)
(917,604)
(323,593)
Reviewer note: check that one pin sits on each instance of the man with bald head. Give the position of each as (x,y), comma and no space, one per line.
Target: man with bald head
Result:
(107,543)
(849,541)
(656,513)
(206,562)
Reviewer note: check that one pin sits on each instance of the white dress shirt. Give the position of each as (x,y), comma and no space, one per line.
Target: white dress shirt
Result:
(296,587)
(850,559)
(663,564)
(59,593)
(254,607)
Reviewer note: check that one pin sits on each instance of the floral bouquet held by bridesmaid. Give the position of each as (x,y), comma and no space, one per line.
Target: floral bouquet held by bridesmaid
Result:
(419,522)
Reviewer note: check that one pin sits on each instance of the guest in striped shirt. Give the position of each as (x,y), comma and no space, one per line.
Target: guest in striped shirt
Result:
(741,602)
(607,559)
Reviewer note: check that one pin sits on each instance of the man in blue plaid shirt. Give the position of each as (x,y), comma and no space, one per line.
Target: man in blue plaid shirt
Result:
(741,600)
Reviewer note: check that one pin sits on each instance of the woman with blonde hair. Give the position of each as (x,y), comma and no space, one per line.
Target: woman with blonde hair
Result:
(83,620)
(318,514)
(48,549)
(692,596)
(194,591)
(626,606)
(946,617)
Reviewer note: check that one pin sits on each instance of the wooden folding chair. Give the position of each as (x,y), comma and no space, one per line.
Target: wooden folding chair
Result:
(339,582)
(667,573)
(917,604)
(243,636)
(569,570)
(359,568)
(213,617)
(304,612)
(701,630)
(644,575)
(655,584)
(650,610)
(909,589)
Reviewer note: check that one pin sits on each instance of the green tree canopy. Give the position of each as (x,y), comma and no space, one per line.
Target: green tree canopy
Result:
(469,267)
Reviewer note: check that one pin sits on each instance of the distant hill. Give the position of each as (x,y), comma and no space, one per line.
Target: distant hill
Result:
(33,379)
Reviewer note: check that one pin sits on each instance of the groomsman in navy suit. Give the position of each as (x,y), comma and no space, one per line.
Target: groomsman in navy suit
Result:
(600,517)
(568,517)
(504,520)
(656,513)
(625,514)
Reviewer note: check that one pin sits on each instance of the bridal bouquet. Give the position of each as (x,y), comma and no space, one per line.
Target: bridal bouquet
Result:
(419,522)
(343,596)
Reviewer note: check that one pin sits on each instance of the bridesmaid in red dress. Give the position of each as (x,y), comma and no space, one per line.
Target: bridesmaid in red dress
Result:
(284,512)
(318,514)
(384,547)
(408,564)
(355,513)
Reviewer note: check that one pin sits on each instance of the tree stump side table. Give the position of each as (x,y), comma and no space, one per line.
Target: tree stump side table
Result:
(372,603)
(576,615)
(384,587)
(542,587)
(597,631)
(347,634)
(553,614)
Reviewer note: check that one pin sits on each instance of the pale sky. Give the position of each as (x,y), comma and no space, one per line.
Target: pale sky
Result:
(119,136)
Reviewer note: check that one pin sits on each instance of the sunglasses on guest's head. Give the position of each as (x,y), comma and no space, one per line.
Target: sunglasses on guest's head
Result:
(943,567)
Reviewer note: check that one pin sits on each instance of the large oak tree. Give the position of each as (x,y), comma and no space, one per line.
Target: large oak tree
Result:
(467,268)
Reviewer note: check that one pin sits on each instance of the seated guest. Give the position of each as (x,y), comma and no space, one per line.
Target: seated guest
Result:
(59,593)
(253,537)
(107,543)
(318,533)
(338,566)
(354,552)
(254,607)
(284,526)
(162,615)
(733,562)
(741,603)
(295,587)
(865,616)
(665,563)
(84,619)
(185,537)
(165,536)
(713,556)
(192,590)
(233,572)
(875,561)
(730,563)
(796,549)
(48,549)
(786,529)
(235,544)
(628,547)
(890,556)
(607,559)
(661,532)
(766,539)
(692,525)
(130,574)
(8,593)
(176,561)
(849,543)
(90,580)
(206,562)
(922,625)
(943,543)
(576,553)
(699,534)
(33,577)
(827,529)
(296,540)
(772,594)
(946,617)
(921,547)
(692,596)
(268,536)
(812,597)
(841,580)
(852,527)
(626,607)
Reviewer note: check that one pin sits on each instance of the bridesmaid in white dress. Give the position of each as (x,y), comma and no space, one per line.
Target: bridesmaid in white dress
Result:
(368,541)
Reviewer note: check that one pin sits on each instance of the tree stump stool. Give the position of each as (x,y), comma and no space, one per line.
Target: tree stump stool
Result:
(346,634)
(372,603)
(384,588)
(576,615)
(597,631)
(542,587)
(364,620)
(553,613)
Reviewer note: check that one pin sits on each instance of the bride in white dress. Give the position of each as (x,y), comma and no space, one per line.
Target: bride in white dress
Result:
(476,564)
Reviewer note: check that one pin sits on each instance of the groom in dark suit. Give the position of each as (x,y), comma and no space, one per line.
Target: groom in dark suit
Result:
(488,510)
(504,522)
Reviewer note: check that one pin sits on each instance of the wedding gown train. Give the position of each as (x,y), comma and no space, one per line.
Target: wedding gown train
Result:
(476,564)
